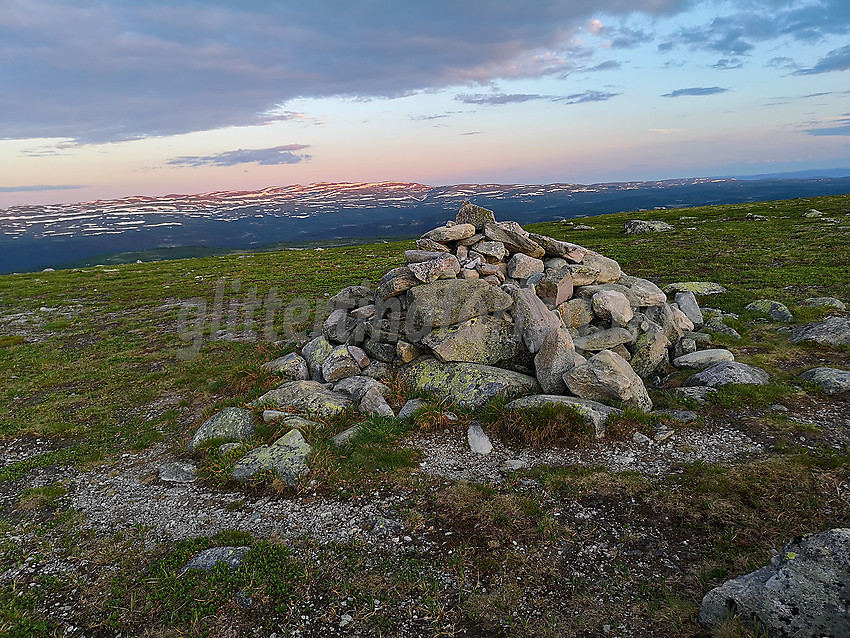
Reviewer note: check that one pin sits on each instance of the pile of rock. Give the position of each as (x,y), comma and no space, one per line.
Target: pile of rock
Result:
(484,307)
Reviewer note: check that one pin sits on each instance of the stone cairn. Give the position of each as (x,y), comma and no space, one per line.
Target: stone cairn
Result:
(484,307)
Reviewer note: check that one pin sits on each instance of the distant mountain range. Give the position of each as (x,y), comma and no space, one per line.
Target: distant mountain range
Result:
(35,237)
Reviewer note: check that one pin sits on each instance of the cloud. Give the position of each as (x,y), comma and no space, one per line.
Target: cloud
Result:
(726,64)
(472,133)
(263,156)
(608,65)
(586,96)
(115,70)
(39,187)
(782,63)
(696,91)
(498,99)
(842,129)
(835,60)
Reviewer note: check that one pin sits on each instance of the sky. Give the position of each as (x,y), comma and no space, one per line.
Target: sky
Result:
(112,98)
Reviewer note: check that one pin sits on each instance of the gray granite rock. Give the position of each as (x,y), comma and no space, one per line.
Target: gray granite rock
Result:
(451,301)
(702,359)
(701,288)
(207,559)
(514,241)
(687,303)
(606,377)
(533,318)
(315,353)
(697,394)
(450,233)
(178,472)
(804,592)
(522,266)
(833,331)
(231,423)
(613,306)
(339,364)
(729,372)
(373,402)
(410,408)
(556,248)
(717,326)
(609,270)
(823,302)
(478,216)
(831,380)
(486,339)
(554,359)
(641,226)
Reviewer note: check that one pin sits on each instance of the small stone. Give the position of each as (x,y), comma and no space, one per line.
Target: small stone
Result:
(697,394)
(833,331)
(716,325)
(823,302)
(450,233)
(702,359)
(410,408)
(178,472)
(291,366)
(612,306)
(701,288)
(687,303)
(344,437)
(230,423)
(373,402)
(207,559)
(339,364)
(778,407)
(729,372)
(641,438)
(522,266)
(639,226)
(478,440)
(682,416)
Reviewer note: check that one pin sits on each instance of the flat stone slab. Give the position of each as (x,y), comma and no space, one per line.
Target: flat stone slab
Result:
(591,411)
(230,557)
(178,472)
(466,384)
(640,226)
(831,380)
(304,396)
(702,359)
(729,372)
(833,331)
(286,457)
(803,592)
(697,287)
(231,423)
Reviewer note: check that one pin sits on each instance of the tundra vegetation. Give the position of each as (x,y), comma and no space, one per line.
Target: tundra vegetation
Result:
(98,370)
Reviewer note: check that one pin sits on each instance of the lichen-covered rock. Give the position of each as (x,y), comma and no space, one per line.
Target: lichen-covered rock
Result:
(478,216)
(450,301)
(640,226)
(304,396)
(315,353)
(701,288)
(443,266)
(554,359)
(431,245)
(593,412)
(583,275)
(556,285)
(410,408)
(286,457)
(833,331)
(466,384)
(207,559)
(338,326)
(487,339)
(492,251)
(382,352)
(373,402)
(357,386)
(697,394)
(729,372)
(352,297)
(717,326)
(533,318)
(702,359)
(339,364)
(773,309)
(576,313)
(235,424)
(831,380)
(649,351)
(607,376)
(804,592)
(291,366)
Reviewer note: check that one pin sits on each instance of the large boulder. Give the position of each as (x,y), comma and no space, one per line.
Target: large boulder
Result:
(557,248)
(833,331)
(687,303)
(315,353)
(824,302)
(646,292)
(804,592)
(554,359)
(487,339)
(466,384)
(649,351)
(607,376)
(729,372)
(477,216)
(702,359)
(450,233)
(450,301)
(443,266)
(604,339)
(232,424)
(773,309)
(286,457)
(831,380)
(339,364)
(576,313)
(533,317)
(304,396)
(609,270)
(397,281)
(613,306)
